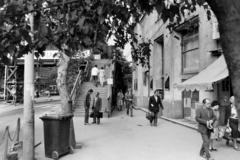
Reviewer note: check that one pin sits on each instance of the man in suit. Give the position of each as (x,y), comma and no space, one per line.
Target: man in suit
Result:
(205,117)
(154,104)
(97,106)
(87,101)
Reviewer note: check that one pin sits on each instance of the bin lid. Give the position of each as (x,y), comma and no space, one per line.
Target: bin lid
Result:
(56,116)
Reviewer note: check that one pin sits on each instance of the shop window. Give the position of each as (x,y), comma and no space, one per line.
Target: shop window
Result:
(190,50)
(195,96)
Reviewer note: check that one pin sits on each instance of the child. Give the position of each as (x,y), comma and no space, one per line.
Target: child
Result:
(215,133)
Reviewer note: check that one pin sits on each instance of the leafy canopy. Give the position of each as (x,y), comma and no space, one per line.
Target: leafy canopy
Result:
(79,24)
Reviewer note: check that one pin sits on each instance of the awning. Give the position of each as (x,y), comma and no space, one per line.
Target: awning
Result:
(204,80)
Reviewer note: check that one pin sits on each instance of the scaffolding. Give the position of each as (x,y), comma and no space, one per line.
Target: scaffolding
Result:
(13,87)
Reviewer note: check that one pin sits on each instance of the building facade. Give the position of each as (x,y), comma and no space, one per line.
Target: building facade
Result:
(176,57)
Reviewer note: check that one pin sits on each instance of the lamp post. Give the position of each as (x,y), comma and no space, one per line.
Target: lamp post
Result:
(28,113)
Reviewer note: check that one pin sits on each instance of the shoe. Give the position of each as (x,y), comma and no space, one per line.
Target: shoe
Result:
(236,148)
(203,155)
(214,149)
(151,124)
(86,124)
(210,158)
(227,142)
(131,115)
(93,122)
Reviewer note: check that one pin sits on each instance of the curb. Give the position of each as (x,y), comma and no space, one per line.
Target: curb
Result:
(188,126)
(51,100)
(177,122)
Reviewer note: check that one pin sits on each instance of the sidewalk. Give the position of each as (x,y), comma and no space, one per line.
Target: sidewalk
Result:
(130,138)
(8,106)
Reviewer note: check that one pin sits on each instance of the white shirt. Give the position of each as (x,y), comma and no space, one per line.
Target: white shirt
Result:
(156,98)
(94,71)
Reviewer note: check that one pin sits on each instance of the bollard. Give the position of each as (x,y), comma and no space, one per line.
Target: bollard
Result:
(17,130)
(5,142)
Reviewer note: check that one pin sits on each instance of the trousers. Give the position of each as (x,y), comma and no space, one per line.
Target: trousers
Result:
(155,119)
(205,145)
(86,115)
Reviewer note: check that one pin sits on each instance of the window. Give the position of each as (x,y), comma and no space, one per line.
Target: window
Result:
(136,84)
(190,50)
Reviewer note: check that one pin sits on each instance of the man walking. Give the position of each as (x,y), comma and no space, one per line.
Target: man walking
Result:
(87,101)
(205,118)
(94,74)
(154,105)
(97,106)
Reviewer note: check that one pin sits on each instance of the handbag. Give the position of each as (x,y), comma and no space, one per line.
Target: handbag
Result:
(150,116)
(91,114)
(227,133)
(99,115)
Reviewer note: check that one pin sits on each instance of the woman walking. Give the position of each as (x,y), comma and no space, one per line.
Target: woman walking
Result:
(215,134)
(233,123)
(102,76)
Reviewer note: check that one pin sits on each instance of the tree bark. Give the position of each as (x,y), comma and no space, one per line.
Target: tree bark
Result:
(228,16)
(66,105)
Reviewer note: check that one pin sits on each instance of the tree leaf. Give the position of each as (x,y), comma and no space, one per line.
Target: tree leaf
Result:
(81,21)
(101,19)
(26,36)
(68,52)
(11,48)
(43,30)
(200,2)
(87,41)
(5,60)
(159,7)
(99,10)
(88,2)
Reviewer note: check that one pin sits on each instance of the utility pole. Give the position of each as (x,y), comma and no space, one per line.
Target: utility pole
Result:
(28,114)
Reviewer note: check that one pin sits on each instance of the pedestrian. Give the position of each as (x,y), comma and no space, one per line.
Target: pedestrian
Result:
(205,118)
(154,105)
(97,106)
(102,76)
(120,97)
(215,134)
(233,124)
(87,101)
(129,102)
(94,74)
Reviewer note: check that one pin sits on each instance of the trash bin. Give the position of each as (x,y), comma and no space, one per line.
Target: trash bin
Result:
(56,135)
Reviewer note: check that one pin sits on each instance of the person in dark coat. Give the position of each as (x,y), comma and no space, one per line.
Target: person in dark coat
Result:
(87,101)
(154,104)
(97,107)
(205,118)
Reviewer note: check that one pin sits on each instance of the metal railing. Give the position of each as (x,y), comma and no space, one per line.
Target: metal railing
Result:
(82,75)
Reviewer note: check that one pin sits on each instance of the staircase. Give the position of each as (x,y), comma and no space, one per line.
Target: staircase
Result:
(79,105)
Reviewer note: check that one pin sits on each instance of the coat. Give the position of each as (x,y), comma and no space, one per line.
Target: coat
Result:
(98,105)
(202,118)
(87,101)
(154,105)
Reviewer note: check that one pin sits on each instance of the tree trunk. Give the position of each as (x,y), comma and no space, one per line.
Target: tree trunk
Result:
(66,104)
(228,15)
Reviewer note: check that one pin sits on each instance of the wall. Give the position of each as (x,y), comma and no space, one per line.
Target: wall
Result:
(152,28)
